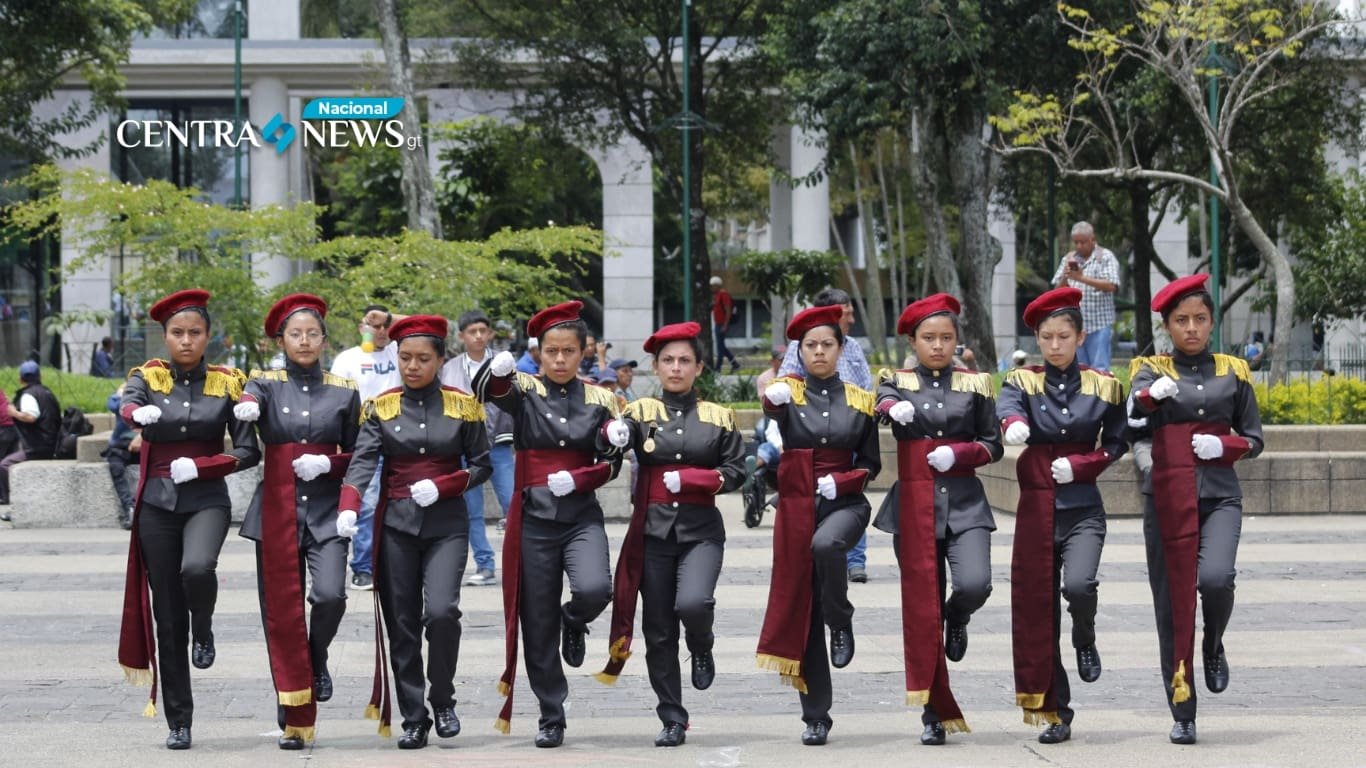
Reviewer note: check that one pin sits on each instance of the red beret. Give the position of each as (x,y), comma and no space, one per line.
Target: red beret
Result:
(278,314)
(419,325)
(917,311)
(550,317)
(807,319)
(180,300)
(674,332)
(1172,293)
(1050,302)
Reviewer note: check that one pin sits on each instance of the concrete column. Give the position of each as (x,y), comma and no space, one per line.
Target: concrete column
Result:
(810,204)
(1001,227)
(274,20)
(270,170)
(628,232)
(780,224)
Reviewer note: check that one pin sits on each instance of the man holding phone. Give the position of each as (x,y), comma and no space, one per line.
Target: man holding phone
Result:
(1095,270)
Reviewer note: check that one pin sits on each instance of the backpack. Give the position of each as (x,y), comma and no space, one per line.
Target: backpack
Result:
(74,425)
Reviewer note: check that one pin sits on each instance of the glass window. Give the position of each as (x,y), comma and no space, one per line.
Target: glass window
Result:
(211,19)
(207,168)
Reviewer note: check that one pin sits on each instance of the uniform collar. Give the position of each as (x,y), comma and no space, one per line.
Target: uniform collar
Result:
(1069,373)
(195,373)
(931,373)
(573,385)
(310,374)
(682,401)
(1205,356)
(427,391)
(833,381)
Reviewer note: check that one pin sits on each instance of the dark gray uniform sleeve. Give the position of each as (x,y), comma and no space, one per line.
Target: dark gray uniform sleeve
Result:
(475,437)
(369,442)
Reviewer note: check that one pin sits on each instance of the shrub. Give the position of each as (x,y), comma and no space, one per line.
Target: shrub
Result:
(1329,400)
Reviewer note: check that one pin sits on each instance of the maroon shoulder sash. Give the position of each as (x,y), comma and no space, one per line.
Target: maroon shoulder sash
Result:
(787,619)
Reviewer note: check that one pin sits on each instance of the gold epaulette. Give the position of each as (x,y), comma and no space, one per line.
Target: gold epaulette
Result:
(647,409)
(157,374)
(859,398)
(1162,365)
(979,383)
(458,405)
(1223,364)
(221,381)
(907,380)
(1027,381)
(595,395)
(718,415)
(257,373)
(334,380)
(385,406)
(1103,386)
(528,383)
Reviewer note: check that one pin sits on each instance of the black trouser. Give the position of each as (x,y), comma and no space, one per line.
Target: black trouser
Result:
(1078,537)
(1221,524)
(326,570)
(181,554)
(835,535)
(419,586)
(678,583)
(549,549)
(118,460)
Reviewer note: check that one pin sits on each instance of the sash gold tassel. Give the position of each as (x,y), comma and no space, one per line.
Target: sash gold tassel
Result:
(1181,690)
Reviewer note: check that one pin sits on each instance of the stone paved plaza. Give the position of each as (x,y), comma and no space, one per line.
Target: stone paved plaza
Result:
(1297,648)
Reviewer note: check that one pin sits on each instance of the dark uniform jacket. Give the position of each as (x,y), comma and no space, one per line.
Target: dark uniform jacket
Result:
(832,414)
(1211,388)
(547,415)
(949,405)
(680,429)
(305,405)
(435,422)
(196,404)
(1076,405)
(40,437)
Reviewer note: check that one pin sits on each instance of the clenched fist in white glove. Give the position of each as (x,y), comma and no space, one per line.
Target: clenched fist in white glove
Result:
(560,483)
(618,434)
(773,435)
(1062,470)
(941,459)
(247,410)
(672,481)
(311,465)
(423,492)
(147,414)
(1017,433)
(825,486)
(503,364)
(1162,389)
(779,393)
(183,470)
(346,524)
(901,412)
(1207,447)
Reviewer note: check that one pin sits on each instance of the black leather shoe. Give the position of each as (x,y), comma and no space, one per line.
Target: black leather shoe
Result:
(179,738)
(1183,732)
(955,641)
(414,737)
(572,645)
(841,647)
(703,670)
(447,722)
(291,743)
(1088,663)
(550,736)
(673,735)
(1216,671)
(1056,734)
(202,654)
(816,734)
(322,685)
(933,735)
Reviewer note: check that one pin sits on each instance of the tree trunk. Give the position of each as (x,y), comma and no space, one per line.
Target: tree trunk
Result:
(1284,319)
(873,319)
(697,218)
(1140,202)
(926,142)
(419,193)
(970,170)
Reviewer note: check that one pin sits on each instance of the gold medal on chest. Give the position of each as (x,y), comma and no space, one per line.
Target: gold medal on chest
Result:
(649,444)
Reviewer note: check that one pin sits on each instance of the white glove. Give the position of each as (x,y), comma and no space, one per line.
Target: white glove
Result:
(941,459)
(1062,470)
(1162,389)
(774,435)
(1207,446)
(672,481)
(346,523)
(183,470)
(1017,433)
(310,465)
(618,434)
(503,364)
(779,393)
(423,493)
(147,414)
(247,410)
(902,412)
(825,486)
(560,483)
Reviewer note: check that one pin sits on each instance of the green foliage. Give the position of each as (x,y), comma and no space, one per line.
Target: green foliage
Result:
(789,273)
(88,393)
(1329,400)
(360,189)
(1330,275)
(731,390)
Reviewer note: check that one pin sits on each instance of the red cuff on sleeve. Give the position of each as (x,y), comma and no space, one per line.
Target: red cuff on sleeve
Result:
(695,480)
(499,385)
(126,413)
(349,499)
(1086,467)
(1013,419)
(969,455)
(1146,400)
(214,467)
(247,397)
(340,461)
(1235,448)
(588,479)
(452,485)
(849,482)
(885,405)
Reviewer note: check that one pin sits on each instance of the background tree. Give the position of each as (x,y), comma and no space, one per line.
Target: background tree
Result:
(1330,277)
(419,195)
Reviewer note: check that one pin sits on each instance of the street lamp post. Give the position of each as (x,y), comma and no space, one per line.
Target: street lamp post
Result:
(237,102)
(686,127)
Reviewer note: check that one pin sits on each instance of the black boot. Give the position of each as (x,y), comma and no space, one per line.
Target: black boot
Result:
(179,737)
(841,647)
(415,737)
(1088,663)
(816,734)
(322,683)
(1216,671)
(1056,733)
(291,743)
(203,653)
(955,641)
(447,722)
(550,737)
(933,735)
(703,670)
(1183,732)
(673,735)
(571,644)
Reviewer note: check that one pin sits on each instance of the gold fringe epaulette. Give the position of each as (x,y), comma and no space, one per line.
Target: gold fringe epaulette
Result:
(798,387)
(259,375)
(157,375)
(977,383)
(333,380)
(595,395)
(295,698)
(859,398)
(1027,381)
(224,382)
(1223,364)
(716,415)
(907,380)
(1102,386)
(458,405)
(1162,365)
(528,383)
(385,406)
(646,409)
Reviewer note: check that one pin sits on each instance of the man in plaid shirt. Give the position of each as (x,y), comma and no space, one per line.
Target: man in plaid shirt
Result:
(1095,271)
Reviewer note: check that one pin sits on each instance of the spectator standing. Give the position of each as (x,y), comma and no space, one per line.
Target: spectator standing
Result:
(722,310)
(375,370)
(121,451)
(1095,270)
(38,420)
(626,373)
(530,361)
(102,364)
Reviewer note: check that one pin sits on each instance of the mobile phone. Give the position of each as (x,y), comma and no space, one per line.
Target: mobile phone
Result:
(958,350)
